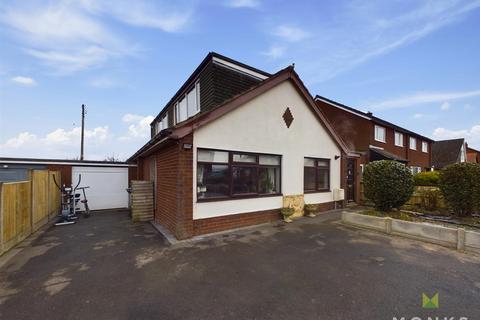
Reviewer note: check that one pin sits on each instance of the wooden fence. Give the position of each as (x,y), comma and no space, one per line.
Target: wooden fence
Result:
(26,206)
(142,200)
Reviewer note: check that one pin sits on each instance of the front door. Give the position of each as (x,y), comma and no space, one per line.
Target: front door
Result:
(351,180)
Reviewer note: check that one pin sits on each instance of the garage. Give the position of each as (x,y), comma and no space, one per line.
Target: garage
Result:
(107,181)
(107,186)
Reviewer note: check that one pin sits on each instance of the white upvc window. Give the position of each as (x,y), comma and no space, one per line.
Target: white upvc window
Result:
(415,170)
(399,139)
(189,105)
(413,143)
(380,134)
(424,147)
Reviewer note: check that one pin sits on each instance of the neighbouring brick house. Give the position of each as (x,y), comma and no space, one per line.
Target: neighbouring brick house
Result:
(447,152)
(473,156)
(236,144)
(372,138)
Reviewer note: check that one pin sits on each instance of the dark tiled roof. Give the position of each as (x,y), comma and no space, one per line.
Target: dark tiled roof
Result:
(376,119)
(446,152)
(387,155)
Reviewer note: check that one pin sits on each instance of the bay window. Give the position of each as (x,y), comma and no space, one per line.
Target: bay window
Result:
(228,174)
(316,175)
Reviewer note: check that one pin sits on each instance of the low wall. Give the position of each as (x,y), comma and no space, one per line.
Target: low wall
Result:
(458,238)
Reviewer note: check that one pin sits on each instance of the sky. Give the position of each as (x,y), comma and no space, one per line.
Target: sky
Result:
(412,62)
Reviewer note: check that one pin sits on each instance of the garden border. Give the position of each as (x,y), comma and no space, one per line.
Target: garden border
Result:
(459,238)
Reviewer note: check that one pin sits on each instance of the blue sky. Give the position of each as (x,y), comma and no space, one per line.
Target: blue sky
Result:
(415,63)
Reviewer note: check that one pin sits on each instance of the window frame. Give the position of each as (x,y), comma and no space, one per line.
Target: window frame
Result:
(317,190)
(384,133)
(231,164)
(402,139)
(425,144)
(410,143)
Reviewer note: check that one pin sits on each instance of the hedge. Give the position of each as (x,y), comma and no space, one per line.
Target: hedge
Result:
(460,186)
(427,178)
(388,184)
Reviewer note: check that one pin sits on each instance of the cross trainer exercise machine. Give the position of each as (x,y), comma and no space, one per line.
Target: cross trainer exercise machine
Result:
(69,202)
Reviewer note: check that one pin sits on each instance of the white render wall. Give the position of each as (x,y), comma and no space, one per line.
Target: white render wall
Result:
(258,126)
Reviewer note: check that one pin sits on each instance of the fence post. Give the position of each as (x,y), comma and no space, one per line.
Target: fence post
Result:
(461,239)
(1,218)
(388,225)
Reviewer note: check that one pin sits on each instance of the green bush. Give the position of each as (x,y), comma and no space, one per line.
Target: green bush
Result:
(430,199)
(427,178)
(460,186)
(388,184)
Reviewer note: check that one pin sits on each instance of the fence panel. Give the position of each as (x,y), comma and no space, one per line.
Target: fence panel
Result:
(15,218)
(39,198)
(53,194)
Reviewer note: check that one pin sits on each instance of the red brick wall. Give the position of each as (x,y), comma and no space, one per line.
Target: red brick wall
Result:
(355,131)
(416,158)
(166,188)
(216,224)
(174,189)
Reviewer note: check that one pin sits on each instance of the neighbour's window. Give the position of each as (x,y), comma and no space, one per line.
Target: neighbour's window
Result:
(380,133)
(413,143)
(226,174)
(399,139)
(316,175)
(424,147)
(189,105)
(415,170)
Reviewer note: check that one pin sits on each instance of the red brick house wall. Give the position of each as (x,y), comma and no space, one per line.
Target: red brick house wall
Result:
(355,131)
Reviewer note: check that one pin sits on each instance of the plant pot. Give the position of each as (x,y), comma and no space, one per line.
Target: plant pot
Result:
(287,213)
(310,210)
(311,214)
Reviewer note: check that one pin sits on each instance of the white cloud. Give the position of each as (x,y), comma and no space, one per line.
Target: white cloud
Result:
(445,106)
(72,36)
(422,98)
(59,143)
(472,135)
(275,52)
(363,30)
(20,140)
(290,33)
(26,81)
(139,126)
(418,115)
(242,3)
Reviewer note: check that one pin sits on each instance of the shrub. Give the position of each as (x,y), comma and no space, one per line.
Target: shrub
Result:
(460,186)
(427,178)
(388,184)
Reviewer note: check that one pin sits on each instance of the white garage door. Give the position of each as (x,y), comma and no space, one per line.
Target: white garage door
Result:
(107,186)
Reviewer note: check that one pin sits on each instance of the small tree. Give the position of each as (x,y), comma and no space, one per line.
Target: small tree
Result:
(460,186)
(388,184)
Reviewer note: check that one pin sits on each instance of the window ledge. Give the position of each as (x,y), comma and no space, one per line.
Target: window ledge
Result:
(239,197)
(317,191)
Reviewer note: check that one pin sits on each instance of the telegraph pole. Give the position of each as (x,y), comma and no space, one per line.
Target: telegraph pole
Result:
(83,129)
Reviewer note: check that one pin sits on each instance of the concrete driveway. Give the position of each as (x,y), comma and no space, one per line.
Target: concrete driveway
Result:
(105,267)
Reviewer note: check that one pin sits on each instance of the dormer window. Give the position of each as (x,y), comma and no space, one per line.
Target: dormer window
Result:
(189,105)
(380,134)
(162,124)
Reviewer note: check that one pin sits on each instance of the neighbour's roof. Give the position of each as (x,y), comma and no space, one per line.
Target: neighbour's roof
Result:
(387,155)
(210,56)
(183,129)
(446,152)
(371,117)
(6,160)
